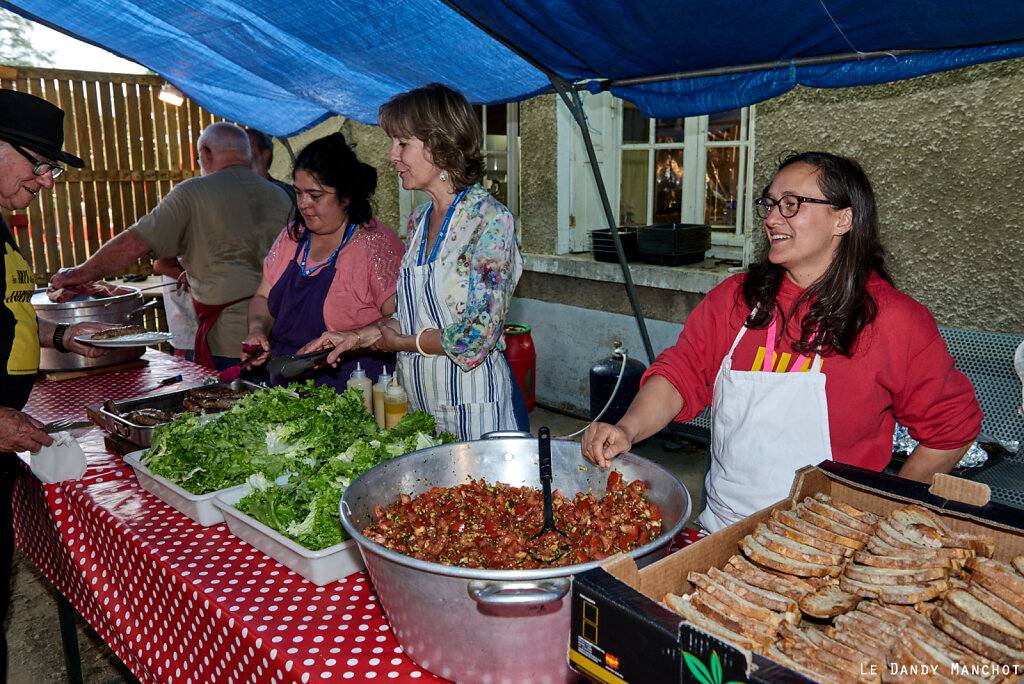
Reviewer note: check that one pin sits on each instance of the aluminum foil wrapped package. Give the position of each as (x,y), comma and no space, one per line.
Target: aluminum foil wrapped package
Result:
(902,442)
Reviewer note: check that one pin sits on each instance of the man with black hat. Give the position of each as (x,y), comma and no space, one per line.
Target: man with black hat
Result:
(31,137)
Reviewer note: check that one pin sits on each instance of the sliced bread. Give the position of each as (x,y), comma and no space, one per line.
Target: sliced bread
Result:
(793,549)
(783,583)
(772,600)
(808,539)
(874,575)
(683,607)
(911,559)
(979,643)
(792,519)
(736,605)
(827,510)
(756,552)
(982,618)
(907,594)
(828,602)
(1013,614)
(833,526)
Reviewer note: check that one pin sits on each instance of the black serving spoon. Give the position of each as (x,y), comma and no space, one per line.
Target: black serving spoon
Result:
(558,547)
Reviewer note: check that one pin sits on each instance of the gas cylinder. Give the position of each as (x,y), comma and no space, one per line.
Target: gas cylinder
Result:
(522,358)
(603,376)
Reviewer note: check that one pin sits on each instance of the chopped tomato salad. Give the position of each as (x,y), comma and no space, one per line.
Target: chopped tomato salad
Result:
(491,526)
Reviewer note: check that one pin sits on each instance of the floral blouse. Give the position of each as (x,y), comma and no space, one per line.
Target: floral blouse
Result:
(478,267)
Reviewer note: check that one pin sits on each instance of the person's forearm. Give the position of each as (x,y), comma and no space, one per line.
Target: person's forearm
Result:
(46,329)
(115,255)
(168,266)
(654,407)
(260,320)
(924,462)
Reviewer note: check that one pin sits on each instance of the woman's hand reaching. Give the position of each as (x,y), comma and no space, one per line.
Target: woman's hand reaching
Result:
(341,342)
(603,442)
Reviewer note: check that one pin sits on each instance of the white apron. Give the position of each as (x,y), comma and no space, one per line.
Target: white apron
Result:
(467,404)
(764,426)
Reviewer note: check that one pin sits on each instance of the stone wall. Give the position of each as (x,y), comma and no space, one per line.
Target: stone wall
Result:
(945,154)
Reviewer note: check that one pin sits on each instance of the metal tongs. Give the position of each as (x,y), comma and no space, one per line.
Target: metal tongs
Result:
(290,366)
(558,546)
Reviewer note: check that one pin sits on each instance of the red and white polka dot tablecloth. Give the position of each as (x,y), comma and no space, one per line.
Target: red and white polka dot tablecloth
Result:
(183,603)
(178,602)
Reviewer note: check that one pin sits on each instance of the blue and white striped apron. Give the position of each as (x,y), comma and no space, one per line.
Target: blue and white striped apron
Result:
(467,404)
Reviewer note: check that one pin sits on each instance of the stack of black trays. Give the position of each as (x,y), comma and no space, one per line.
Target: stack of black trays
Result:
(673,244)
(604,244)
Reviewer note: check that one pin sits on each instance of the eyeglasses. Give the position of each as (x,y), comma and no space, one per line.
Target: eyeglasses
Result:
(788,205)
(40,168)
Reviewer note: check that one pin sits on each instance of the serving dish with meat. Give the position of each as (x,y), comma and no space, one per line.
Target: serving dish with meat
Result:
(467,623)
(134,419)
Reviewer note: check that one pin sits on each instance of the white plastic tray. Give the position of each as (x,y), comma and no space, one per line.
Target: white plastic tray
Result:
(199,507)
(319,567)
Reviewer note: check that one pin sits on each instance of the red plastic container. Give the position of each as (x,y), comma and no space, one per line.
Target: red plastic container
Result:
(522,358)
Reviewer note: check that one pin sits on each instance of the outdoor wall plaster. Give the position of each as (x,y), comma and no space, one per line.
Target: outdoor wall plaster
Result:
(945,154)
(538,132)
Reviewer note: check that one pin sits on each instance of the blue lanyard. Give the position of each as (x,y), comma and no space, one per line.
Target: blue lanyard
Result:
(351,228)
(441,233)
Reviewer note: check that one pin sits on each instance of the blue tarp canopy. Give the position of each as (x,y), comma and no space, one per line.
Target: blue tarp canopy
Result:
(284,66)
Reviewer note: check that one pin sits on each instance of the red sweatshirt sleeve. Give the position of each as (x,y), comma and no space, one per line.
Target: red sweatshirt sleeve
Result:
(692,364)
(936,402)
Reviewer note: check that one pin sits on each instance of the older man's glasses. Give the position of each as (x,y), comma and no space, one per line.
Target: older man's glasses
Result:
(788,205)
(40,168)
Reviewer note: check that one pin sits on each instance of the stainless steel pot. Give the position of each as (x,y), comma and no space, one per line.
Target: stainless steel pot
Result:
(474,625)
(119,309)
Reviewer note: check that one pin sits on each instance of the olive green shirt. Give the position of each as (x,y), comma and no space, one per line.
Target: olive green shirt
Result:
(220,227)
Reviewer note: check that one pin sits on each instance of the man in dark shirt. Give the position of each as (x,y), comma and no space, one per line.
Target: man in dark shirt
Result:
(263,156)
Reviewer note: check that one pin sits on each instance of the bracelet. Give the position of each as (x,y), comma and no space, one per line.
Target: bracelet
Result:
(418,347)
(58,337)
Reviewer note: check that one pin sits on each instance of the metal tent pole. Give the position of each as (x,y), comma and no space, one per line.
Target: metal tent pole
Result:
(572,100)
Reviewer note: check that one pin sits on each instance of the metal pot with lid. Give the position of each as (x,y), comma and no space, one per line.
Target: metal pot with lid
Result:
(121,307)
(476,625)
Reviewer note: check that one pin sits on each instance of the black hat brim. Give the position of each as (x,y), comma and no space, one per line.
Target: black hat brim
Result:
(42,149)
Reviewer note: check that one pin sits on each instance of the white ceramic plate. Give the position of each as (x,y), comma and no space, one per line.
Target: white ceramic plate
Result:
(137,340)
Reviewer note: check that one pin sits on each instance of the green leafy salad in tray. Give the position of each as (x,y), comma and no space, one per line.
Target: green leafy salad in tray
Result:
(319,439)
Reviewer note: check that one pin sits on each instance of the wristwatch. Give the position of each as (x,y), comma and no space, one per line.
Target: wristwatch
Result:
(58,337)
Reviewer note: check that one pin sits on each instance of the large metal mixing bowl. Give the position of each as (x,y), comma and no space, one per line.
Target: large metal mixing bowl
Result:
(474,625)
(120,309)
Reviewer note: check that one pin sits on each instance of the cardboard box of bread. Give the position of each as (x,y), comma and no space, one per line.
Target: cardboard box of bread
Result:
(856,577)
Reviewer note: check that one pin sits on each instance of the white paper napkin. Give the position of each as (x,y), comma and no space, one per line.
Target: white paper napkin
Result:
(62,460)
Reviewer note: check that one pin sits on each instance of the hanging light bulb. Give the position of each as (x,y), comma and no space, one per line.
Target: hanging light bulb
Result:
(171,95)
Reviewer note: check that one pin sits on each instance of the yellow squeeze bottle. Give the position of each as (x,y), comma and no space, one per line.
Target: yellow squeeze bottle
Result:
(362,383)
(396,404)
(379,389)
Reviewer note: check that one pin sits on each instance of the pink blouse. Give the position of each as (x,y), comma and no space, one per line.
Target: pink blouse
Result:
(366,273)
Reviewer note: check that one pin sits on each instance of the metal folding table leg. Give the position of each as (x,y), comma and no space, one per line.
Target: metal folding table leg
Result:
(69,637)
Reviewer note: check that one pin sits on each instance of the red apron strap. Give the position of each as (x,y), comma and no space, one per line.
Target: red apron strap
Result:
(207,315)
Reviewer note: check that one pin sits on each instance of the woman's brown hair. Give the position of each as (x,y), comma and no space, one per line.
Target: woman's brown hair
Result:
(840,305)
(446,123)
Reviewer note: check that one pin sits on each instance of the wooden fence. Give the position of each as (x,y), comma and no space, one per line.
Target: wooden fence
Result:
(135,147)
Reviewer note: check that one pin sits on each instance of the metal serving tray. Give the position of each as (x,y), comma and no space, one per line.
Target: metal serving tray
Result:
(142,435)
